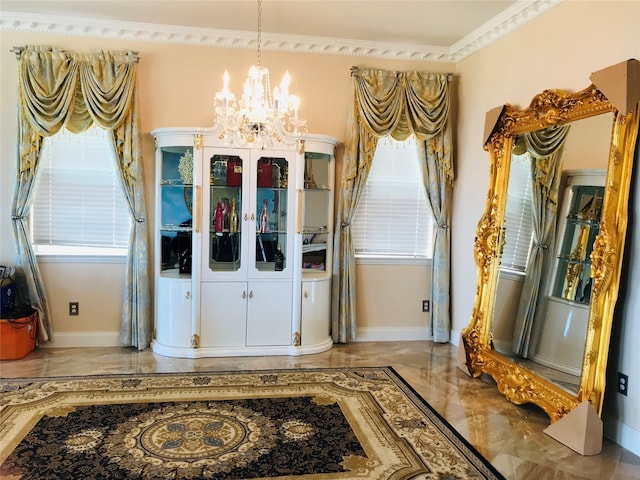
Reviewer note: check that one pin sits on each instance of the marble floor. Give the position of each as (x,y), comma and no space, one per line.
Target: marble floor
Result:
(511,437)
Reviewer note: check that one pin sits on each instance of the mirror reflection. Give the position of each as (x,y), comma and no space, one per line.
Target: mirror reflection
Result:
(555,190)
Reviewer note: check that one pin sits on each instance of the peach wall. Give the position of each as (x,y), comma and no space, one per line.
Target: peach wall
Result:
(176,85)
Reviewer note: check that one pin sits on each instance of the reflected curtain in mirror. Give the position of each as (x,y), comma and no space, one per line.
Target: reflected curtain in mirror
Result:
(398,104)
(544,148)
(57,88)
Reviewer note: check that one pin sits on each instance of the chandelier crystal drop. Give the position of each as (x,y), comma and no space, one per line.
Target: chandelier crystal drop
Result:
(259,116)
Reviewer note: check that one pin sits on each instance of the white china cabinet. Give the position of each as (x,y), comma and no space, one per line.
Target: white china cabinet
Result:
(567,305)
(243,245)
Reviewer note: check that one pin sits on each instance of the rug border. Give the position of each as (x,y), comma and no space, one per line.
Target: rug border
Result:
(399,379)
(451,428)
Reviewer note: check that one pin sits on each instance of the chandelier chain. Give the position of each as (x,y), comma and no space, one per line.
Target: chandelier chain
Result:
(259,33)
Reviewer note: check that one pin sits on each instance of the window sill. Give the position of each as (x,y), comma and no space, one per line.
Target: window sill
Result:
(393,261)
(511,274)
(57,254)
(49,258)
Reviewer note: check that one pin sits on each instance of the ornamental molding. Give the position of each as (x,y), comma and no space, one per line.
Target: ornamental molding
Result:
(499,26)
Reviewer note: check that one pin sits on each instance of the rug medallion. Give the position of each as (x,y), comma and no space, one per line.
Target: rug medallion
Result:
(288,424)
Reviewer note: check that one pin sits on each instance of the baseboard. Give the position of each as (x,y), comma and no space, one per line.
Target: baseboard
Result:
(111,339)
(83,339)
(502,346)
(622,434)
(389,334)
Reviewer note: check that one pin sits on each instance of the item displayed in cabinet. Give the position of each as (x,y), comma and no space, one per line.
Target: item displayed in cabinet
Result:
(278,259)
(264,218)
(233,219)
(234,172)
(181,245)
(185,167)
(309,181)
(219,172)
(275,175)
(219,220)
(265,177)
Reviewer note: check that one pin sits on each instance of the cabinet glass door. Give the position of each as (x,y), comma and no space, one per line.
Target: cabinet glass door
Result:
(272,178)
(225,212)
(316,204)
(573,275)
(176,195)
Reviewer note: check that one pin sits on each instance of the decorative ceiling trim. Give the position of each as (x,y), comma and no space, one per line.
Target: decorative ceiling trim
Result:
(499,26)
(506,22)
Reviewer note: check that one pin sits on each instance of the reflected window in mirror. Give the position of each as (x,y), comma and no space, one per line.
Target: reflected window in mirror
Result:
(518,223)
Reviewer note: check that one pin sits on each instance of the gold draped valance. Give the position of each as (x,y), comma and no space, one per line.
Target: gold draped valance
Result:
(400,104)
(59,88)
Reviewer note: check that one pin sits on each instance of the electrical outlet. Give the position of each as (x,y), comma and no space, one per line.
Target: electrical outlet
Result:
(623,383)
(426,304)
(74,308)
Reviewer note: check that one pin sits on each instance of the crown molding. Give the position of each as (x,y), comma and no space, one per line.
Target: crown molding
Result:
(501,25)
(506,22)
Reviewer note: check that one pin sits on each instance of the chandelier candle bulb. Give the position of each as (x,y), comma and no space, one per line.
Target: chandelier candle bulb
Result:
(225,96)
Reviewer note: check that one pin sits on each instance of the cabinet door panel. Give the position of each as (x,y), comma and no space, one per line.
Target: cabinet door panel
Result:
(223,311)
(269,313)
(173,314)
(316,298)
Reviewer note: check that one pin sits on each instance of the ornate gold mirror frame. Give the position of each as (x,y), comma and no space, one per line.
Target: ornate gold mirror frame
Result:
(614,89)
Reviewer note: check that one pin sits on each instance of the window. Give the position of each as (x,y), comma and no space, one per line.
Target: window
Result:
(518,221)
(393,218)
(79,207)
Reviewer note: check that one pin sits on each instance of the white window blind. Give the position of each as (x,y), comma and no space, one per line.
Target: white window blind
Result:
(518,221)
(79,200)
(393,218)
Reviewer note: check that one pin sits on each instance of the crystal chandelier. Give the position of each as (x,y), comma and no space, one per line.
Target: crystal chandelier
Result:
(260,116)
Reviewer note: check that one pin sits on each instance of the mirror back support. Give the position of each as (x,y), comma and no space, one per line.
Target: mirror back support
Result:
(556,107)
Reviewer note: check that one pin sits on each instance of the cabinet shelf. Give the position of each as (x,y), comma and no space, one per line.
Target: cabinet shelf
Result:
(175,228)
(175,182)
(174,273)
(313,247)
(575,261)
(578,221)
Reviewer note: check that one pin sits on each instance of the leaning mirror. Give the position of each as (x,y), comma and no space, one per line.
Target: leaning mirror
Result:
(549,244)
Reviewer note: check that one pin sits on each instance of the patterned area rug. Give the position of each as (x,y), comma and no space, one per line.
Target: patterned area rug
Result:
(364,423)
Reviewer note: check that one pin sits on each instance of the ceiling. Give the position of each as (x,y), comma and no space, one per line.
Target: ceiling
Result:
(421,29)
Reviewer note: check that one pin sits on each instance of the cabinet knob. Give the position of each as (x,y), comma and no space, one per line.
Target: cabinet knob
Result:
(244,294)
(188,295)
(250,293)
(306,294)
(246,217)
